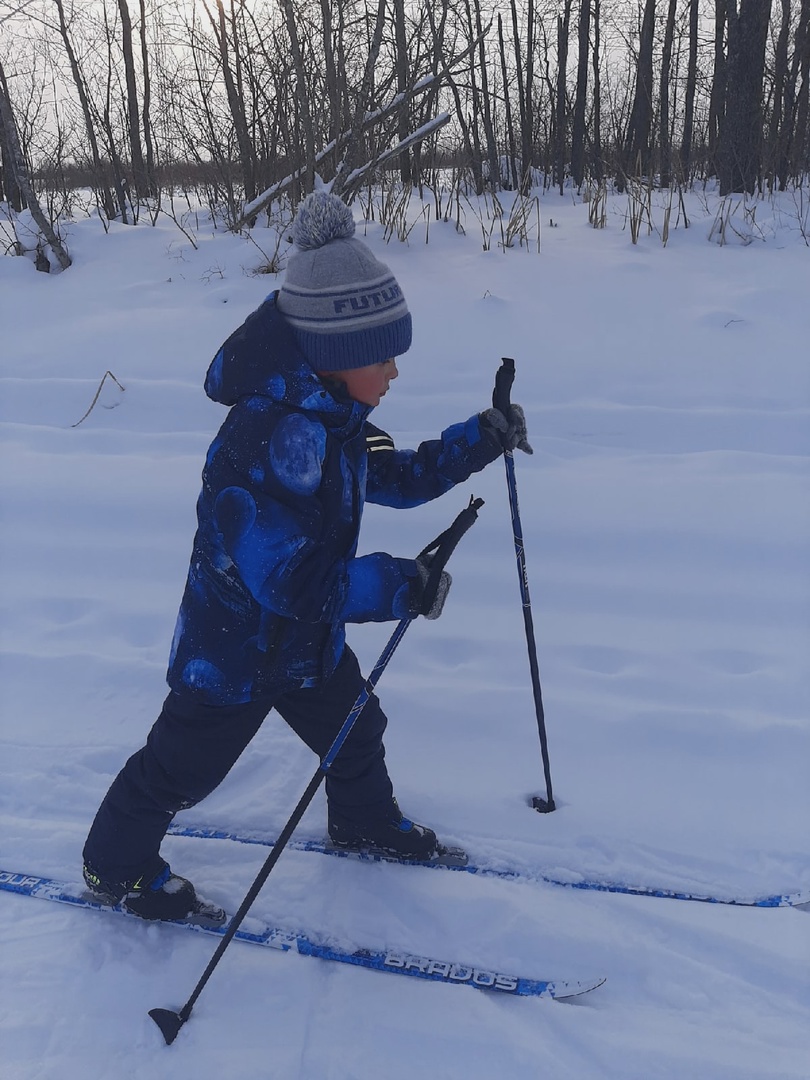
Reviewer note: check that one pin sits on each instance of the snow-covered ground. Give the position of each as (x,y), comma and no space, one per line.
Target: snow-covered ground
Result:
(667,520)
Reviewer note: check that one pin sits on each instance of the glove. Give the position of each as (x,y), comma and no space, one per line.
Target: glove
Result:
(445,581)
(509,430)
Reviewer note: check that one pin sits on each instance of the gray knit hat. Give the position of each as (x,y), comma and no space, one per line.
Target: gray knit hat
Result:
(345,307)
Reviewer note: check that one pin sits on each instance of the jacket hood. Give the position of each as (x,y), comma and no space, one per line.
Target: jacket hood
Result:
(261,357)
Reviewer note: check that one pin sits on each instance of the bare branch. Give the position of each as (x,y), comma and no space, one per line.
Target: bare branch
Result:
(370,120)
(17,10)
(356,178)
(107,375)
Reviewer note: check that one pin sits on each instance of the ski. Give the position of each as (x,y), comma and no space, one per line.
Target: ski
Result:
(323,847)
(394,962)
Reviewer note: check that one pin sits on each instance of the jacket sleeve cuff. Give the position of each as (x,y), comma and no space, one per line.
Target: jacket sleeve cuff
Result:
(380,588)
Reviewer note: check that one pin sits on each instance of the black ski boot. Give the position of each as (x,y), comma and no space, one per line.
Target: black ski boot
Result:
(166,896)
(396,838)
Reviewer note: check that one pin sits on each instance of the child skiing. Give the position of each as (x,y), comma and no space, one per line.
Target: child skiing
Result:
(274,576)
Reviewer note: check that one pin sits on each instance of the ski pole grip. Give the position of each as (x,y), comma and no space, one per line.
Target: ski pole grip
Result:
(443,547)
(504,377)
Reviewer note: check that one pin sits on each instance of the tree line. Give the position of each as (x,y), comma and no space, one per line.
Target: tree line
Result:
(241,101)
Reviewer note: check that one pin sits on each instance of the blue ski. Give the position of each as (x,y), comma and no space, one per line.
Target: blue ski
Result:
(398,963)
(323,847)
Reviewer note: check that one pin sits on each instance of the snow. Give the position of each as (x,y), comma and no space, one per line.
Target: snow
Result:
(666,519)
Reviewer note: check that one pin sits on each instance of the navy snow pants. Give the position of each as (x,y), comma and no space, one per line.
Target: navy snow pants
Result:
(192,747)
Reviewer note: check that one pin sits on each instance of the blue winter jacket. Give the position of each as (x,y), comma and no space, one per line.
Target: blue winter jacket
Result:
(274,576)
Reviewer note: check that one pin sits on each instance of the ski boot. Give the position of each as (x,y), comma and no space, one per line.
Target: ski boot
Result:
(166,896)
(395,839)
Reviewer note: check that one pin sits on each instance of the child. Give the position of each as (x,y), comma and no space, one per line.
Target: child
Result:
(274,575)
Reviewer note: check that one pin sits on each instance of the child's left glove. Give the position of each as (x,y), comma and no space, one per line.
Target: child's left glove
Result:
(509,430)
(445,581)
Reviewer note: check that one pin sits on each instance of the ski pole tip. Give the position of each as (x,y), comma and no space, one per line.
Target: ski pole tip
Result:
(169,1023)
(542,806)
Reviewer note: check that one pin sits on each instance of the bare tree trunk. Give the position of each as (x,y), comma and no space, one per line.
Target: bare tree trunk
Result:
(525,92)
(664,136)
(437,34)
(549,139)
(563,24)
(717,104)
(21,177)
(236,105)
(340,59)
(104,192)
(465,122)
(596,148)
(333,92)
(691,85)
(146,106)
(352,156)
(741,134)
(778,118)
(401,65)
(489,130)
(799,155)
(140,180)
(578,128)
(528,94)
(510,129)
(637,142)
(119,178)
(9,188)
(783,114)
(470,121)
(121,185)
(239,86)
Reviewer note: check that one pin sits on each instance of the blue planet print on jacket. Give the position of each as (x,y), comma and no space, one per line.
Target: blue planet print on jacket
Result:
(274,576)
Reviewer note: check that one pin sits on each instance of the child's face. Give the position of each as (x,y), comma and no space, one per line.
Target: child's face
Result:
(367,384)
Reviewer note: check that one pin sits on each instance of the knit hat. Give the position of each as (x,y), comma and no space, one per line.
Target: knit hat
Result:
(345,308)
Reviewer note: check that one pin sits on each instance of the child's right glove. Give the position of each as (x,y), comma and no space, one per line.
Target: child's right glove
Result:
(509,430)
(445,581)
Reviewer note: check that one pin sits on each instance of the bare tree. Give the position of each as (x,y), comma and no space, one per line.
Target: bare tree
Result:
(800,129)
(741,133)
(510,127)
(101,183)
(789,123)
(691,86)
(561,110)
(236,103)
(354,145)
(596,155)
(717,104)
(139,175)
(469,113)
(9,187)
(146,106)
(489,129)
(434,34)
(525,87)
(578,127)
(664,133)
(401,65)
(334,92)
(17,165)
(238,97)
(637,140)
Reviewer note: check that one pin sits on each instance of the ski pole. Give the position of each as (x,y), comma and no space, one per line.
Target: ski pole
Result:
(440,551)
(504,378)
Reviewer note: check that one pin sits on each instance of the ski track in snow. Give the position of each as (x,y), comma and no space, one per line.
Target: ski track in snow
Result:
(666,519)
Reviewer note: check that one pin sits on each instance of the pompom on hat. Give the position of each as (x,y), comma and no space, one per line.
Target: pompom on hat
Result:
(344,306)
